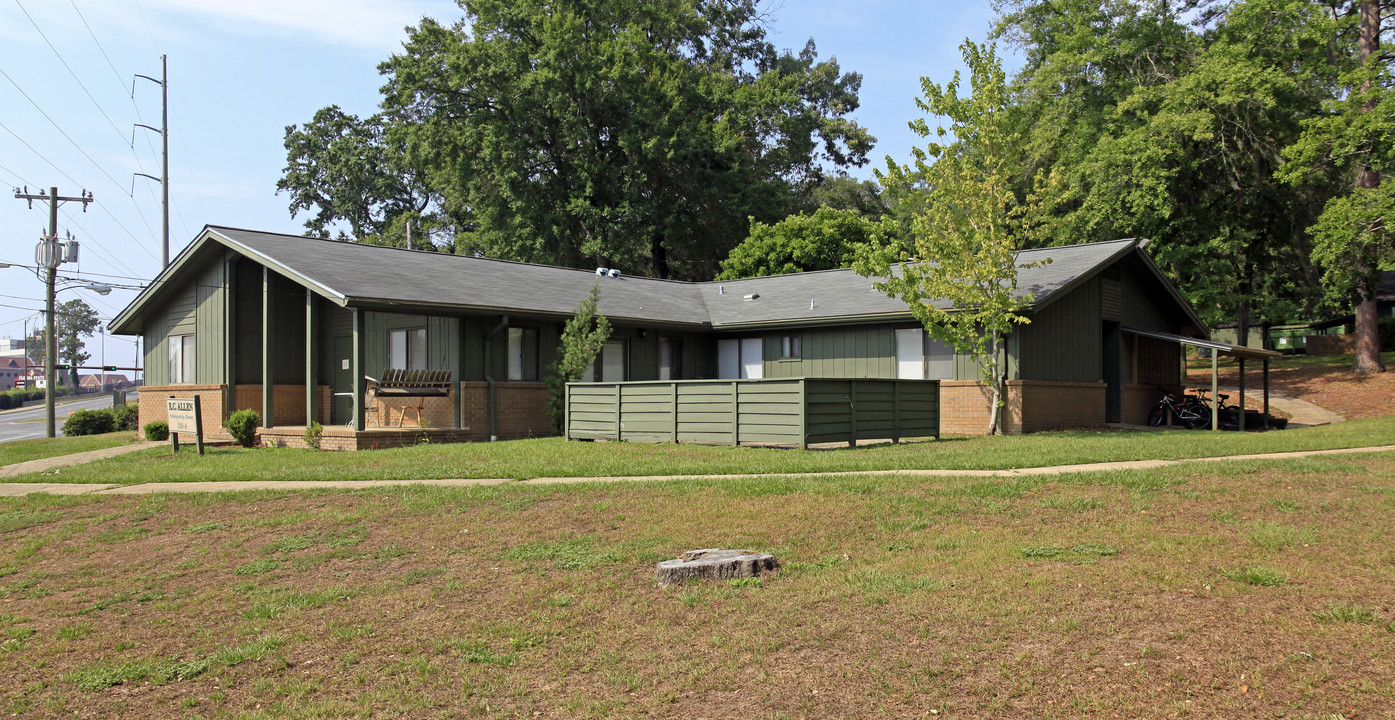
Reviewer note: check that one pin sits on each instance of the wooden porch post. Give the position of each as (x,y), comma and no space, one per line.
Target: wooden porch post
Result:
(229,337)
(459,373)
(268,387)
(311,384)
(356,369)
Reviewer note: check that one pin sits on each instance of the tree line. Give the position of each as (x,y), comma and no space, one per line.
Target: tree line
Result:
(1251,140)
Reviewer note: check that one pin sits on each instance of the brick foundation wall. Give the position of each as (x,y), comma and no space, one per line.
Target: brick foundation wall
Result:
(964,407)
(1045,405)
(1139,400)
(1031,406)
(522,410)
(1331,344)
(402,412)
(151,404)
(287,402)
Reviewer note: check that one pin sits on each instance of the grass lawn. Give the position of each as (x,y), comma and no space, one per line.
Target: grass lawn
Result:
(1255,589)
(554,457)
(37,449)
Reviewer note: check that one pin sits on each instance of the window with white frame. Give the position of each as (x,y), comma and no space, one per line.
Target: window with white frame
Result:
(920,357)
(407,349)
(523,354)
(182,358)
(741,359)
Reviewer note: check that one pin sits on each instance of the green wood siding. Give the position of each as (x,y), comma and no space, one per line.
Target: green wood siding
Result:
(779,411)
(1063,341)
(194,309)
(868,351)
(442,339)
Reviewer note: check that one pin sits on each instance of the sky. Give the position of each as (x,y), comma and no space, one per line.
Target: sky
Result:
(241,71)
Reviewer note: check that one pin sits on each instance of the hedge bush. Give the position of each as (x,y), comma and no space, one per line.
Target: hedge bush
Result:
(243,426)
(157,430)
(125,417)
(89,422)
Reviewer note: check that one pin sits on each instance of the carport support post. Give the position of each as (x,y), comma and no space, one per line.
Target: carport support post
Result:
(1215,389)
(1265,381)
(268,389)
(1242,393)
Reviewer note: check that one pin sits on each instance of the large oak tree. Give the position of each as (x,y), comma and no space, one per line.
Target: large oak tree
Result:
(640,134)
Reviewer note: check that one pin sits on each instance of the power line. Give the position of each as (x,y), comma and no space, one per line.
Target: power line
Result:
(92,242)
(36,152)
(59,128)
(69,68)
(80,149)
(17,175)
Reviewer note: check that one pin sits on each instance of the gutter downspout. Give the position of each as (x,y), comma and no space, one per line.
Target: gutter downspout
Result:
(493,397)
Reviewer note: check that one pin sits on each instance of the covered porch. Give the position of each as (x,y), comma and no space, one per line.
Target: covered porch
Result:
(1240,352)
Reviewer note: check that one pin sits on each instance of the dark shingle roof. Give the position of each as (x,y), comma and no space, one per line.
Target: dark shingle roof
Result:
(354,273)
(844,293)
(373,272)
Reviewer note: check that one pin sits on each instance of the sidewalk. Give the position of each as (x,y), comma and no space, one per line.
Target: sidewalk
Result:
(1301,413)
(45,464)
(16,489)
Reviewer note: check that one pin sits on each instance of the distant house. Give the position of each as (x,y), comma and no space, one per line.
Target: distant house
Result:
(12,369)
(298,327)
(103,382)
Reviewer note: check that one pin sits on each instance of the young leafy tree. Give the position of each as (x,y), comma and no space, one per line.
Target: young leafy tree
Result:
(1355,139)
(826,240)
(958,269)
(582,339)
(74,320)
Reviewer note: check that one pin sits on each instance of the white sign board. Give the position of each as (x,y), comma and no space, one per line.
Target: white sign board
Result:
(183,415)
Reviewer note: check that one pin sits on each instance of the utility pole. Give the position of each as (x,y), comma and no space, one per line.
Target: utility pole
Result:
(47,255)
(164,178)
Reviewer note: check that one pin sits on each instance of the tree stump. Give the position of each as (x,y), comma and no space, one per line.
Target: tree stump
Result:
(714,564)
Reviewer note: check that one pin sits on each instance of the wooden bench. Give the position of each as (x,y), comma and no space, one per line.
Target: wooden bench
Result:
(419,384)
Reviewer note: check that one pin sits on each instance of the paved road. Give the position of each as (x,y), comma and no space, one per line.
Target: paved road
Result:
(29,422)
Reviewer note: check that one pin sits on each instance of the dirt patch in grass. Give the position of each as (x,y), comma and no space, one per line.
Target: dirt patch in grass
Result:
(897,598)
(1324,381)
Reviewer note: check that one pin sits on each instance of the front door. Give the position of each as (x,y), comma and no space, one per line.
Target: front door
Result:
(343,380)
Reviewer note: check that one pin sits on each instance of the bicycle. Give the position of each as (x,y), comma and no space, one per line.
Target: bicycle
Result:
(1189,411)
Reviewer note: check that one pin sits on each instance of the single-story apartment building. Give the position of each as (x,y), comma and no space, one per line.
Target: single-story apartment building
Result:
(300,329)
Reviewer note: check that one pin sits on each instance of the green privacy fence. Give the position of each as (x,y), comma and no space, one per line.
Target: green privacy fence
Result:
(779,411)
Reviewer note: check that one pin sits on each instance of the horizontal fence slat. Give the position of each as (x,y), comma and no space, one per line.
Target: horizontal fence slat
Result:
(767,411)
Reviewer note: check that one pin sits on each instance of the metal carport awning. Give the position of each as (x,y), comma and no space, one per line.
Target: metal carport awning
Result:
(1239,352)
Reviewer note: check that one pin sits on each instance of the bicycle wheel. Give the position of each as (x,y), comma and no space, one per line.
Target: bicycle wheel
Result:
(1197,417)
(1158,416)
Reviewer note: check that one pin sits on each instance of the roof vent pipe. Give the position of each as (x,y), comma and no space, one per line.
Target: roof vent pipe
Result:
(721,289)
(1144,243)
(811,304)
(752,296)
(614,273)
(602,272)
